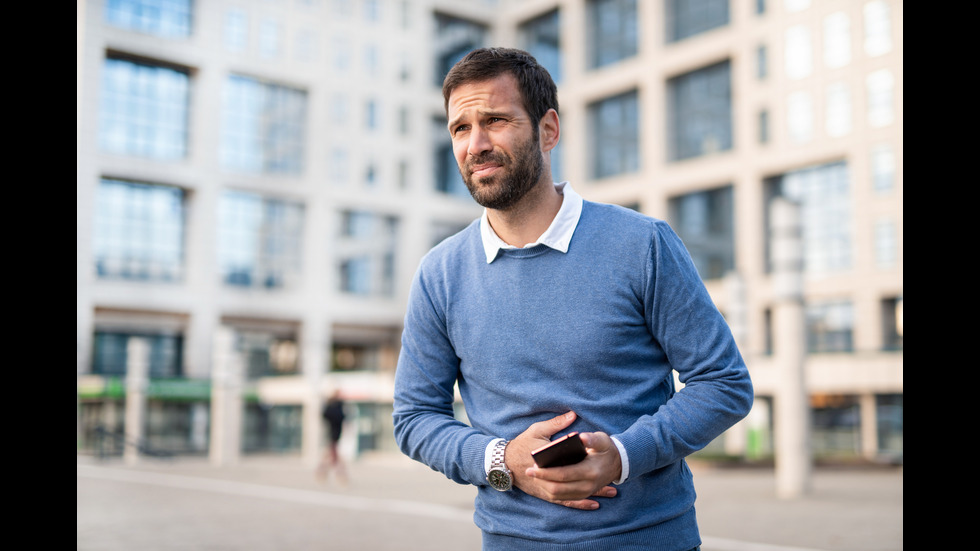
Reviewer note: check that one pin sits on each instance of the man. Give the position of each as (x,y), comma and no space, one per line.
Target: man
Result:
(554,314)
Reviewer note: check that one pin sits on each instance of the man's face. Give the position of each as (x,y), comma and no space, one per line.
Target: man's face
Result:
(494,141)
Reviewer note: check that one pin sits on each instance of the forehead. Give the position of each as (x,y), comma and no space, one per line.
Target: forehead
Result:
(497,94)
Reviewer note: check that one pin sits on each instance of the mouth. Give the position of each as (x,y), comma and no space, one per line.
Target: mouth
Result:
(484,170)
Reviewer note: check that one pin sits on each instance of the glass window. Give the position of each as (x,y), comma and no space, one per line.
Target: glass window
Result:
(799,116)
(761,62)
(110,353)
(259,240)
(144,110)
(139,231)
(703,220)
(366,252)
(836,40)
(542,39)
(886,243)
(448,179)
(883,168)
(877,28)
(264,126)
(268,353)
(700,107)
(615,135)
(830,326)
(454,39)
(613,34)
(169,18)
(838,110)
(763,126)
(687,18)
(269,38)
(823,193)
(881,87)
(798,53)
(236,30)
(891,323)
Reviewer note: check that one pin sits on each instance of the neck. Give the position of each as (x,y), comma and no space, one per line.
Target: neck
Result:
(526,221)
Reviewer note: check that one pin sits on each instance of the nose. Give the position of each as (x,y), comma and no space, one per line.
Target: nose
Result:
(479,142)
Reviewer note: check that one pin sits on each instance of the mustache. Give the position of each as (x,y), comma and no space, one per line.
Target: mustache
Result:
(485,158)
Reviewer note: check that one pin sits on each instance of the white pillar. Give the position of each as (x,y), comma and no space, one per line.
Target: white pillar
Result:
(736,437)
(226,400)
(137,373)
(791,420)
(315,353)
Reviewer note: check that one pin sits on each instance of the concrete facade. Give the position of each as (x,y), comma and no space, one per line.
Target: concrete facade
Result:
(368,70)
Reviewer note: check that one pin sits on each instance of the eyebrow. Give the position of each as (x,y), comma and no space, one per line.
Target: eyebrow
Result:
(481,114)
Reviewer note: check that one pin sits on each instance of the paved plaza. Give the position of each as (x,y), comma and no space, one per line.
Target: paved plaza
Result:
(390,503)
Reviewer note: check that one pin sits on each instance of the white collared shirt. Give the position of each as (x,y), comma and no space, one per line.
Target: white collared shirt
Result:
(557,236)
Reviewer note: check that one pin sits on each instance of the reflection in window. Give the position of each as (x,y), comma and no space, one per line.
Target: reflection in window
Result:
(703,220)
(448,178)
(139,231)
(366,253)
(259,240)
(690,17)
(877,28)
(700,104)
(613,34)
(798,52)
(111,353)
(542,39)
(615,134)
(830,327)
(267,353)
(143,110)
(169,18)
(823,193)
(836,40)
(454,39)
(264,126)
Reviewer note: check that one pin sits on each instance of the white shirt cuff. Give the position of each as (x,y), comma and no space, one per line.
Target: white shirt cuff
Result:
(625,459)
(488,454)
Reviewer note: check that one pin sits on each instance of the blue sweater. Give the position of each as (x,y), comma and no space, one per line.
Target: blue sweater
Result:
(597,330)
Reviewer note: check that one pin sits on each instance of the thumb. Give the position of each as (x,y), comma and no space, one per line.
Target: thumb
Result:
(547,428)
(598,441)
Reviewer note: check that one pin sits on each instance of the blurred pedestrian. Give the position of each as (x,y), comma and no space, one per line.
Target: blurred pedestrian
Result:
(333,414)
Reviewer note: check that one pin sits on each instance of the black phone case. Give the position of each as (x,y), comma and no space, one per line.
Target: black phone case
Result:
(567,450)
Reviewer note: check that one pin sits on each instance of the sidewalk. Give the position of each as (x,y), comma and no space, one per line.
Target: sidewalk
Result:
(392,503)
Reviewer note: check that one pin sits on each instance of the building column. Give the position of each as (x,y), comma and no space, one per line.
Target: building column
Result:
(868,426)
(226,400)
(791,420)
(736,437)
(314,353)
(137,382)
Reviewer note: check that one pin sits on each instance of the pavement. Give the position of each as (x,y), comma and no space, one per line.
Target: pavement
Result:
(390,503)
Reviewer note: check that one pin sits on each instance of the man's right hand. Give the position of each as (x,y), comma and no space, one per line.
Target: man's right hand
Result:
(571,485)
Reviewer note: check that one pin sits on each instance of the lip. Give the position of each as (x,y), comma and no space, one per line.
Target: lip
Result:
(484,170)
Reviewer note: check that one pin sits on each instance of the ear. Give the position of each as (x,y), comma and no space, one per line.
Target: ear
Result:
(549,130)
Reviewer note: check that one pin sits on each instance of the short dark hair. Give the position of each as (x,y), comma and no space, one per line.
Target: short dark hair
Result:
(538,90)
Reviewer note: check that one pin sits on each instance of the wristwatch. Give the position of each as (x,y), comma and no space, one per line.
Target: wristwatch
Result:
(499,475)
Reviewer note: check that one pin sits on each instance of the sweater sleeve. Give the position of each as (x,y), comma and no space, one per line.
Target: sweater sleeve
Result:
(424,423)
(717,390)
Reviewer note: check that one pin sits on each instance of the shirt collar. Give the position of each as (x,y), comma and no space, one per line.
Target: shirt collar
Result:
(557,236)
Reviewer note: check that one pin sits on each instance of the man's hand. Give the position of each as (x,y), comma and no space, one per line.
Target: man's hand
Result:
(570,485)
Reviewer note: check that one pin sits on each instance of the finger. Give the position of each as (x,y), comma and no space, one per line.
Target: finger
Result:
(549,427)
(597,441)
(583,504)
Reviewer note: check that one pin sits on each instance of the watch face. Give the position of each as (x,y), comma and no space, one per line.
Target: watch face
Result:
(500,480)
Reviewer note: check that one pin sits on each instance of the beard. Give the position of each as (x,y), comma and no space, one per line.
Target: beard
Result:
(517,176)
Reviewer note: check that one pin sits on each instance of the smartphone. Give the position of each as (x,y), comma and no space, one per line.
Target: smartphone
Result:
(567,450)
